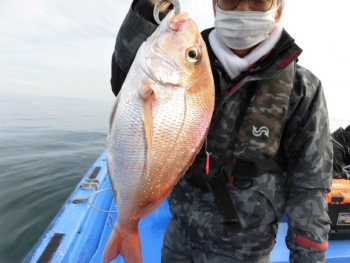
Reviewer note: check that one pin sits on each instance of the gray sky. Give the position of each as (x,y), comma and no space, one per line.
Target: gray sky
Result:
(64,47)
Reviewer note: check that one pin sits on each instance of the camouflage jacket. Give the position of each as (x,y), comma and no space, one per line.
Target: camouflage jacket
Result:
(305,149)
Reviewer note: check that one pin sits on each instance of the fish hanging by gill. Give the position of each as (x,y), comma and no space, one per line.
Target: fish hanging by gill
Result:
(158,125)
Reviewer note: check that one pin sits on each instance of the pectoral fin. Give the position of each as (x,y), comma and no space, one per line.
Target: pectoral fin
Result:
(146,97)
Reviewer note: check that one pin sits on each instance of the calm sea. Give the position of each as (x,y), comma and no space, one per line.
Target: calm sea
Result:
(47,144)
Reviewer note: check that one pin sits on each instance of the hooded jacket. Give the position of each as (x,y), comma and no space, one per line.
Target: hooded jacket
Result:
(305,149)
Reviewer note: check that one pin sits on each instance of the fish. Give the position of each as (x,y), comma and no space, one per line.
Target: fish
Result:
(158,125)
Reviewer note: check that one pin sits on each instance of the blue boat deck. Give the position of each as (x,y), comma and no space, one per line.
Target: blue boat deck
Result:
(79,232)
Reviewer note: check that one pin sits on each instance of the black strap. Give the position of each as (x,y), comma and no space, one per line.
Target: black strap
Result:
(199,178)
(244,171)
(218,185)
(217,179)
(246,168)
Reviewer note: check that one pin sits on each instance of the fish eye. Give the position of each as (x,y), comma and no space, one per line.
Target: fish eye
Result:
(192,54)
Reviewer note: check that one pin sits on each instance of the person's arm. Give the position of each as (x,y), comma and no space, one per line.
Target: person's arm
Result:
(338,158)
(346,174)
(137,26)
(310,156)
(341,149)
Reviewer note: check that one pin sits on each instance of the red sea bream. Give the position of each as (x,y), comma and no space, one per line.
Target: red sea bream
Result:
(158,125)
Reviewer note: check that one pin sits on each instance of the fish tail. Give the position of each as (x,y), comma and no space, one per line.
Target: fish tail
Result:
(124,241)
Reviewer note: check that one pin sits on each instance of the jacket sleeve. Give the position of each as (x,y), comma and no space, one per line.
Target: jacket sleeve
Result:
(310,154)
(137,26)
(337,161)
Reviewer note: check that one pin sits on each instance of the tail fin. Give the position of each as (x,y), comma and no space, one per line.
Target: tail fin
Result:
(124,241)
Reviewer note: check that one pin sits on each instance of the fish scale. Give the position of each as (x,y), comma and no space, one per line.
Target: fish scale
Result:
(158,125)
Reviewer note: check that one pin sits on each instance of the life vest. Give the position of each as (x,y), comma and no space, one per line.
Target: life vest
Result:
(260,132)
(256,145)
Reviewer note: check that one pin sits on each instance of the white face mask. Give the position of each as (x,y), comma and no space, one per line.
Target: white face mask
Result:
(243,29)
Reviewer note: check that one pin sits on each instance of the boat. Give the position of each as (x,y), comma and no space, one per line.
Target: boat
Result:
(81,228)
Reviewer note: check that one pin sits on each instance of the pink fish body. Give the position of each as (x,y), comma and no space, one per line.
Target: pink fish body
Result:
(158,125)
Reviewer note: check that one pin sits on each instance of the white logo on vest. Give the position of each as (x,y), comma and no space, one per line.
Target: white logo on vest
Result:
(262,131)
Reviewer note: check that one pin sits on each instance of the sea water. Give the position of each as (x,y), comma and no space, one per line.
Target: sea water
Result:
(47,144)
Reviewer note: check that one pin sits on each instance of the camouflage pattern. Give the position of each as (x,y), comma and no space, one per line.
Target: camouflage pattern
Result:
(259,135)
(175,252)
(196,233)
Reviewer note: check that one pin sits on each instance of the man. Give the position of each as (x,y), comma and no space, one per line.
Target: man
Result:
(341,148)
(269,141)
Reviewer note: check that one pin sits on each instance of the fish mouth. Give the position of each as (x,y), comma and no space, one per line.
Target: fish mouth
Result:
(175,22)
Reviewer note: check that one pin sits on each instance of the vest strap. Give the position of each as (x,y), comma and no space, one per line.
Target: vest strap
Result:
(258,141)
(217,182)
(218,186)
